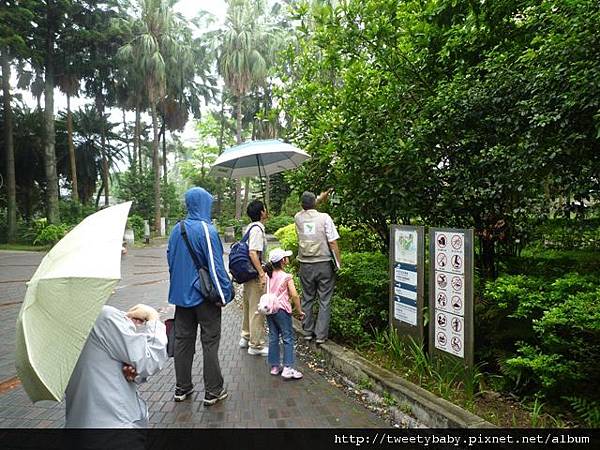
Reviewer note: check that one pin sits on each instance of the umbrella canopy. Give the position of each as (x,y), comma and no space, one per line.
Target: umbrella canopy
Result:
(258,158)
(63,300)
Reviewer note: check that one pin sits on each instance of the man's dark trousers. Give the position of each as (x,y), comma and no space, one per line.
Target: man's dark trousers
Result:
(318,280)
(208,316)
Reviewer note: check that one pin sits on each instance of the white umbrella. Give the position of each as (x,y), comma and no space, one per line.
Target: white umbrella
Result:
(63,300)
(258,158)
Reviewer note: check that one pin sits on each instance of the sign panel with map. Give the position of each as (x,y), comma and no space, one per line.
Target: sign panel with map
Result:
(407,275)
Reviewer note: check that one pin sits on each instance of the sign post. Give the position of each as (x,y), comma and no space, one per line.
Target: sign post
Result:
(451,293)
(407,253)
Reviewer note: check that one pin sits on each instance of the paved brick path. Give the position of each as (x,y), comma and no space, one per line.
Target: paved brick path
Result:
(256,399)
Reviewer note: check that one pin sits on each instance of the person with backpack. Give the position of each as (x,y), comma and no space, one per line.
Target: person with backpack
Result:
(281,285)
(253,324)
(199,242)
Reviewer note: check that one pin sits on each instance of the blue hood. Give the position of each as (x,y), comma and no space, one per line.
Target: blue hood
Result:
(199,204)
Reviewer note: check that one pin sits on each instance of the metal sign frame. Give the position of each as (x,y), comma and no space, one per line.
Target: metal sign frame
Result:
(416,272)
(444,309)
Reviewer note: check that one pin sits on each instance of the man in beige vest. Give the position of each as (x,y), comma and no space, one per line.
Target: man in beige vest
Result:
(318,252)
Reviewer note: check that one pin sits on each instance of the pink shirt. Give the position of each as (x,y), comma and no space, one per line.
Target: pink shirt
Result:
(278,285)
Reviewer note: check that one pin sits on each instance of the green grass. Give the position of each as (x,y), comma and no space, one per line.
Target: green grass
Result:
(23,247)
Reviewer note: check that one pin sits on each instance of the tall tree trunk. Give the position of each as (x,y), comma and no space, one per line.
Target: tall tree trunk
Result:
(246,193)
(10,150)
(52,212)
(126,133)
(156,169)
(104,167)
(105,181)
(219,206)
(267,192)
(137,152)
(73,164)
(164,150)
(238,139)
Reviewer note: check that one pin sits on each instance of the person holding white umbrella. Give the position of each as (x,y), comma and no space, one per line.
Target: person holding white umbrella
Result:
(122,351)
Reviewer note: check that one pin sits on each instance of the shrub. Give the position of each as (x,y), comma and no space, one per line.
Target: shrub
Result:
(277,222)
(544,334)
(136,222)
(360,304)
(359,240)
(351,241)
(288,239)
(561,362)
(567,234)
(72,212)
(51,234)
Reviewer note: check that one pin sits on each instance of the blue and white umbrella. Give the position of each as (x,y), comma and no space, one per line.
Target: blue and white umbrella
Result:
(258,159)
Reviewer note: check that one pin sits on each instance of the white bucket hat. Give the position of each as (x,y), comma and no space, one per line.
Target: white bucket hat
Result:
(277,254)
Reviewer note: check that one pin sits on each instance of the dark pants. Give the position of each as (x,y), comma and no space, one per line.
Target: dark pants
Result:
(318,280)
(208,316)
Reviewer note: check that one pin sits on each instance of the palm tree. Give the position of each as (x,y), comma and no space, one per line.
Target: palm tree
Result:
(240,60)
(9,147)
(188,81)
(53,18)
(68,83)
(152,47)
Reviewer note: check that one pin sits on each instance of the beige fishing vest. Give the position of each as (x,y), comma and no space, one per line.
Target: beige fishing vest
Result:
(312,240)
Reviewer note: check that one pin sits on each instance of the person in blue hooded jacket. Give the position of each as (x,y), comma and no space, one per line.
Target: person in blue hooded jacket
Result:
(191,309)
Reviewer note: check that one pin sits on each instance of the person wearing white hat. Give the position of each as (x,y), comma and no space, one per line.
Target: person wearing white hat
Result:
(281,284)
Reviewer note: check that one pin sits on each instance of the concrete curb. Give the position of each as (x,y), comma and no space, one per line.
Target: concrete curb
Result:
(429,409)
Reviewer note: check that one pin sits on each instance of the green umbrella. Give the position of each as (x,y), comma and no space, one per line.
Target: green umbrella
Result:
(63,300)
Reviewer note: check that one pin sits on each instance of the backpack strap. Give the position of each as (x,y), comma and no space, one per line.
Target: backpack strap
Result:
(212,261)
(189,246)
(247,234)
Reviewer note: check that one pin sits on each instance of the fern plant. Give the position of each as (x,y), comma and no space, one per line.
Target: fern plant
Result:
(587,410)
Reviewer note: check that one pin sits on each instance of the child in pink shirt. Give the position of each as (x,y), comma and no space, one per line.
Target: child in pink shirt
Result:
(280,323)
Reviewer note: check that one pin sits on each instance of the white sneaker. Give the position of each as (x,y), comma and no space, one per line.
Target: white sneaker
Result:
(291,374)
(258,351)
(243,343)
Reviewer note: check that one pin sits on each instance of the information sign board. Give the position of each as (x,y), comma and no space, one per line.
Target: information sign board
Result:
(406,280)
(451,293)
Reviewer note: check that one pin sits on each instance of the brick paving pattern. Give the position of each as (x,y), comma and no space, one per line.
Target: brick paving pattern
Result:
(256,399)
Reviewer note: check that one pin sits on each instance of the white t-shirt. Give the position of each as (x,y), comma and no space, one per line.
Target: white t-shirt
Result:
(330,230)
(256,239)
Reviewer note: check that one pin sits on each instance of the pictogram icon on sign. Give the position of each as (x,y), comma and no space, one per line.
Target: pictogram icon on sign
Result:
(456,283)
(441,338)
(441,299)
(442,260)
(456,242)
(456,344)
(456,302)
(442,280)
(457,262)
(441,241)
(456,324)
(441,320)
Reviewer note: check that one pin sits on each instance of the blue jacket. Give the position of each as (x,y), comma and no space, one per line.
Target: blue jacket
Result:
(183,290)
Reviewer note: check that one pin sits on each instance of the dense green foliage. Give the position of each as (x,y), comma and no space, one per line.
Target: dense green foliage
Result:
(360,302)
(567,234)
(138,187)
(543,333)
(454,113)
(275,223)
(136,223)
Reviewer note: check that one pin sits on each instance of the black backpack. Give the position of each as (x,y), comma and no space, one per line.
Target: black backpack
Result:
(240,265)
